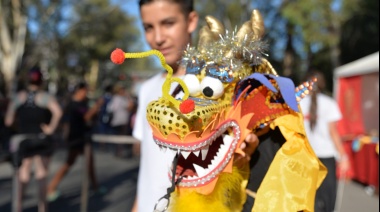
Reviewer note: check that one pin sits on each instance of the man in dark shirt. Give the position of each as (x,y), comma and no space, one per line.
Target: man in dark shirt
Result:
(77,133)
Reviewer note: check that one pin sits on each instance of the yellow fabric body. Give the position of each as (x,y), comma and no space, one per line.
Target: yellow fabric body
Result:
(228,195)
(295,173)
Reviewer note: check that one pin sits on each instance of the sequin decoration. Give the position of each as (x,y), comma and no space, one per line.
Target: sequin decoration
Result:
(194,66)
(223,73)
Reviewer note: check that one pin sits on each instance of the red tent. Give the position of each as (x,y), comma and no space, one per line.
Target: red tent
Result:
(356,89)
(357,92)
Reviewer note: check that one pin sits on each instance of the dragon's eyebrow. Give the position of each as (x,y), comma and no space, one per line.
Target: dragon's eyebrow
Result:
(220,72)
(194,65)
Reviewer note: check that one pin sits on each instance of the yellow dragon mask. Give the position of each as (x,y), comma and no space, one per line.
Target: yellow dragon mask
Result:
(230,90)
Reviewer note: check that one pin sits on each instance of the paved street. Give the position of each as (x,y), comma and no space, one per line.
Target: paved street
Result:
(119,176)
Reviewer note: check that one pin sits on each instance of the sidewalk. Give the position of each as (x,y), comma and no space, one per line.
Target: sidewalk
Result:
(119,176)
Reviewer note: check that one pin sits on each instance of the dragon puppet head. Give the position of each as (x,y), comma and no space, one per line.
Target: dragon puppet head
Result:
(230,89)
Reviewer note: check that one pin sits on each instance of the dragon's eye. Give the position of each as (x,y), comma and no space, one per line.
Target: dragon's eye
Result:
(212,88)
(192,84)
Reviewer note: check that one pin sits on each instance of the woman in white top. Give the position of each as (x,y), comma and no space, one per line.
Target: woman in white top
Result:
(321,113)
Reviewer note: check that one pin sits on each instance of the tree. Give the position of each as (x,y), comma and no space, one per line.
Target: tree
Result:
(13,29)
(360,33)
(99,28)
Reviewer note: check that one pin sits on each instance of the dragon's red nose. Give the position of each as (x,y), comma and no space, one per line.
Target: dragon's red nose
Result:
(187,106)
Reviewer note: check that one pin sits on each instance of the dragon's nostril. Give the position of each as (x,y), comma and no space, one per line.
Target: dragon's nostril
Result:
(207,91)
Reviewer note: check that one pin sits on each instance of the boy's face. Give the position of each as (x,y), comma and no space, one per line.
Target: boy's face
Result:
(167,29)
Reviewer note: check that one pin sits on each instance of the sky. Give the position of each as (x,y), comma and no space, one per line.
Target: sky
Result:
(131,7)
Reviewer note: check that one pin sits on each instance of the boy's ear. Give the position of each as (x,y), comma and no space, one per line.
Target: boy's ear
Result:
(193,21)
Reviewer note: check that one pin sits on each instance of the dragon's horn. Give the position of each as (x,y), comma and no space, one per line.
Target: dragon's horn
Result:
(257,22)
(251,30)
(215,26)
(210,33)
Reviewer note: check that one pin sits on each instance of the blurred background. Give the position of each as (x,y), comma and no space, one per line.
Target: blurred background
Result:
(72,40)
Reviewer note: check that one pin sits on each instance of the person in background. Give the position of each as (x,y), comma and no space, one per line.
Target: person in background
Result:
(120,107)
(132,115)
(76,132)
(321,112)
(102,116)
(168,25)
(36,115)
(103,119)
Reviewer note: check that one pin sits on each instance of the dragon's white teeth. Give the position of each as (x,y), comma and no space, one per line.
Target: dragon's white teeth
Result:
(227,139)
(200,170)
(164,149)
(185,154)
(212,165)
(172,152)
(196,153)
(204,152)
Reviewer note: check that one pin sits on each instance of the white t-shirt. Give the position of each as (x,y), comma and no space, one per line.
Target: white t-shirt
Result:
(327,112)
(118,106)
(153,177)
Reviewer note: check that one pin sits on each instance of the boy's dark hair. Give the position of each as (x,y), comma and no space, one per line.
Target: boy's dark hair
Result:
(187,6)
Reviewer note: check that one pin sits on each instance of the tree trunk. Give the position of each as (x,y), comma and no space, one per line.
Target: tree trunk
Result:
(12,44)
(92,76)
(288,62)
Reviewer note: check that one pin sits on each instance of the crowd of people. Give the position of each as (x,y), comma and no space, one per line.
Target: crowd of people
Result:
(33,119)
(168,26)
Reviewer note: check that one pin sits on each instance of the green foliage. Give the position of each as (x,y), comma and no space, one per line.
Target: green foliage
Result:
(98,28)
(67,36)
(360,34)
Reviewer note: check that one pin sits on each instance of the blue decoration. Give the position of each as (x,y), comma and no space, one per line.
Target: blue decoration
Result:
(220,72)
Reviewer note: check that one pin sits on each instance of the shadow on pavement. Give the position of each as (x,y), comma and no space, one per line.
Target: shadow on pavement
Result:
(101,201)
(119,195)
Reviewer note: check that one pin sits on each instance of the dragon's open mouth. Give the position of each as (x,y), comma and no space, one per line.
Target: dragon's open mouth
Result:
(200,162)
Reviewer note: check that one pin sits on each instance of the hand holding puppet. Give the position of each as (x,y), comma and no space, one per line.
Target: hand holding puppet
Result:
(230,90)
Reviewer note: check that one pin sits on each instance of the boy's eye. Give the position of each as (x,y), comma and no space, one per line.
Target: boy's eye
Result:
(168,22)
(147,28)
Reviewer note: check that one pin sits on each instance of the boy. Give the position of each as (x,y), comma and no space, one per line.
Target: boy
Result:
(168,25)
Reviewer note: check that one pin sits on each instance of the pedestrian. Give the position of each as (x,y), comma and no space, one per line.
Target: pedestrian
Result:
(36,114)
(168,26)
(77,131)
(321,113)
(103,117)
(120,107)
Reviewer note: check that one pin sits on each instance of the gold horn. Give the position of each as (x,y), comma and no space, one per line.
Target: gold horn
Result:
(254,28)
(245,31)
(215,25)
(250,30)
(209,33)
(258,27)
(205,37)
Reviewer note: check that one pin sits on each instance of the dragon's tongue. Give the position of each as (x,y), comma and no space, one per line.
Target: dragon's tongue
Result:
(186,172)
